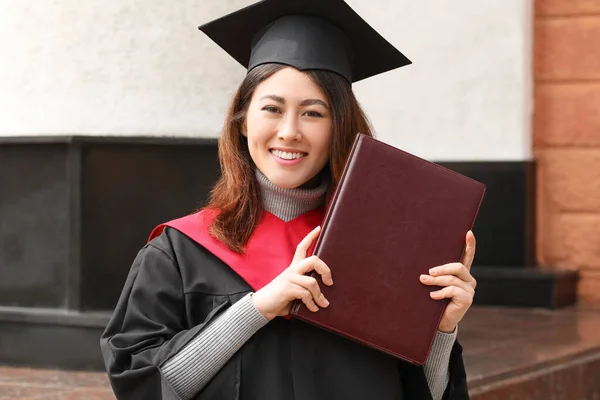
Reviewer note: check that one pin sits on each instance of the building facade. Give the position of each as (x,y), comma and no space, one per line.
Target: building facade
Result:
(506,91)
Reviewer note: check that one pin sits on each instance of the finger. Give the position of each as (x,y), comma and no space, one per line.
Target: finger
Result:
(314,263)
(456,294)
(307,299)
(312,285)
(456,269)
(448,280)
(297,292)
(304,245)
(469,254)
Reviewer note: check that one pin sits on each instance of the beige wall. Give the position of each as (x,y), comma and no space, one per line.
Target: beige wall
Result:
(133,67)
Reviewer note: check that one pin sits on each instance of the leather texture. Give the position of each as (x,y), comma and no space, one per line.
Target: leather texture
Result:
(392,218)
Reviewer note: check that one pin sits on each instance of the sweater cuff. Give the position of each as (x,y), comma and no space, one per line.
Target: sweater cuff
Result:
(443,342)
(437,366)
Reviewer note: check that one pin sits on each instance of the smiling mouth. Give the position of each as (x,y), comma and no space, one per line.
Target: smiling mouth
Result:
(288,155)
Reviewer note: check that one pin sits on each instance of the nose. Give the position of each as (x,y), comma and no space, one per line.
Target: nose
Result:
(289,128)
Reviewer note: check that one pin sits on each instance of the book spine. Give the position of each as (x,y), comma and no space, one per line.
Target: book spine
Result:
(336,194)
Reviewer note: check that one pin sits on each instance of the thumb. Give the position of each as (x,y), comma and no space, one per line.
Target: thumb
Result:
(304,245)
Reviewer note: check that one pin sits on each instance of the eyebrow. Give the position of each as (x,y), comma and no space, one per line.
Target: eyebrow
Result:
(314,102)
(304,103)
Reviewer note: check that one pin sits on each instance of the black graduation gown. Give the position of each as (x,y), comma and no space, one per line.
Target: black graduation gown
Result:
(176,288)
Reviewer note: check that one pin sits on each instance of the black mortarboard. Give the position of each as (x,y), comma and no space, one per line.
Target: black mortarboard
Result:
(305,34)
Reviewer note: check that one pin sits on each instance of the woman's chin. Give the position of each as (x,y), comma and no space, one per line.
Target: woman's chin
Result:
(287,185)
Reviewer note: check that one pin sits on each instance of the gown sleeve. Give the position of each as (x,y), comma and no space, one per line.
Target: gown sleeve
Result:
(148,327)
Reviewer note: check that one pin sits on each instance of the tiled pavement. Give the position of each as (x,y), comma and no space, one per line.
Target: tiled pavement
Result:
(30,384)
(532,354)
(502,347)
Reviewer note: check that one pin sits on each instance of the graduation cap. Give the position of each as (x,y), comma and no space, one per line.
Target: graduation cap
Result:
(306,34)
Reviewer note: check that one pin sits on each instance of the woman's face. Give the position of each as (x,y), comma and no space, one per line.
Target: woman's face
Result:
(288,126)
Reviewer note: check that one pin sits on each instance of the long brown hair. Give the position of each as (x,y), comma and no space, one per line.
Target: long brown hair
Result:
(236,194)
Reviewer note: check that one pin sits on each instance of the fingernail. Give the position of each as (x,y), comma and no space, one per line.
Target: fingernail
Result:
(326,302)
(424,278)
(433,270)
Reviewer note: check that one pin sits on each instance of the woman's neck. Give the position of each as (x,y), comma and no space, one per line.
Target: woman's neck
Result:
(288,204)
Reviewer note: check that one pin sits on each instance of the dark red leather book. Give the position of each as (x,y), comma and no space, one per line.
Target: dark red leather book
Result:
(392,218)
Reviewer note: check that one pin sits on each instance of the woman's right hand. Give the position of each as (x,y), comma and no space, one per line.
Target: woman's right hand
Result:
(275,299)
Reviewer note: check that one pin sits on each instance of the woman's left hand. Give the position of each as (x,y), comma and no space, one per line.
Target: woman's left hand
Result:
(457,284)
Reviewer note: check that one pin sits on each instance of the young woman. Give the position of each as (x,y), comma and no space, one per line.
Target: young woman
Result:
(202,313)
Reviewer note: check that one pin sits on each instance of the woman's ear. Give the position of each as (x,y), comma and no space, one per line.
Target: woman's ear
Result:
(243,129)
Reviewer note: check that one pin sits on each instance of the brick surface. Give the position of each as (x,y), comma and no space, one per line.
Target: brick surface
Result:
(567,114)
(29,384)
(572,381)
(567,49)
(82,394)
(566,141)
(12,392)
(589,289)
(572,241)
(566,7)
(568,180)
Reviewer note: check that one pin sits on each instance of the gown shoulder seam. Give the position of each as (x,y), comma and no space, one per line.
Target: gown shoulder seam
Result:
(163,251)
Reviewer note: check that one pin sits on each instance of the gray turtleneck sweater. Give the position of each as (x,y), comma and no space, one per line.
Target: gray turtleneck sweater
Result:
(194,365)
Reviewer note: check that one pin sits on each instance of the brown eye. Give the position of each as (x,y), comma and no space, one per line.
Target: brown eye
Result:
(271,109)
(314,114)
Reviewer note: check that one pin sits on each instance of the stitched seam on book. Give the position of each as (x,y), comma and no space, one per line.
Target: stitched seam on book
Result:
(463,177)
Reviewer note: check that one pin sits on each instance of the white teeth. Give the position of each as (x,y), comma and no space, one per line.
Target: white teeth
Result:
(287,156)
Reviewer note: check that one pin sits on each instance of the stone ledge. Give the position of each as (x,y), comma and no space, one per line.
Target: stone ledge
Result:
(534,354)
(57,317)
(571,378)
(529,287)
(92,139)
(50,346)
